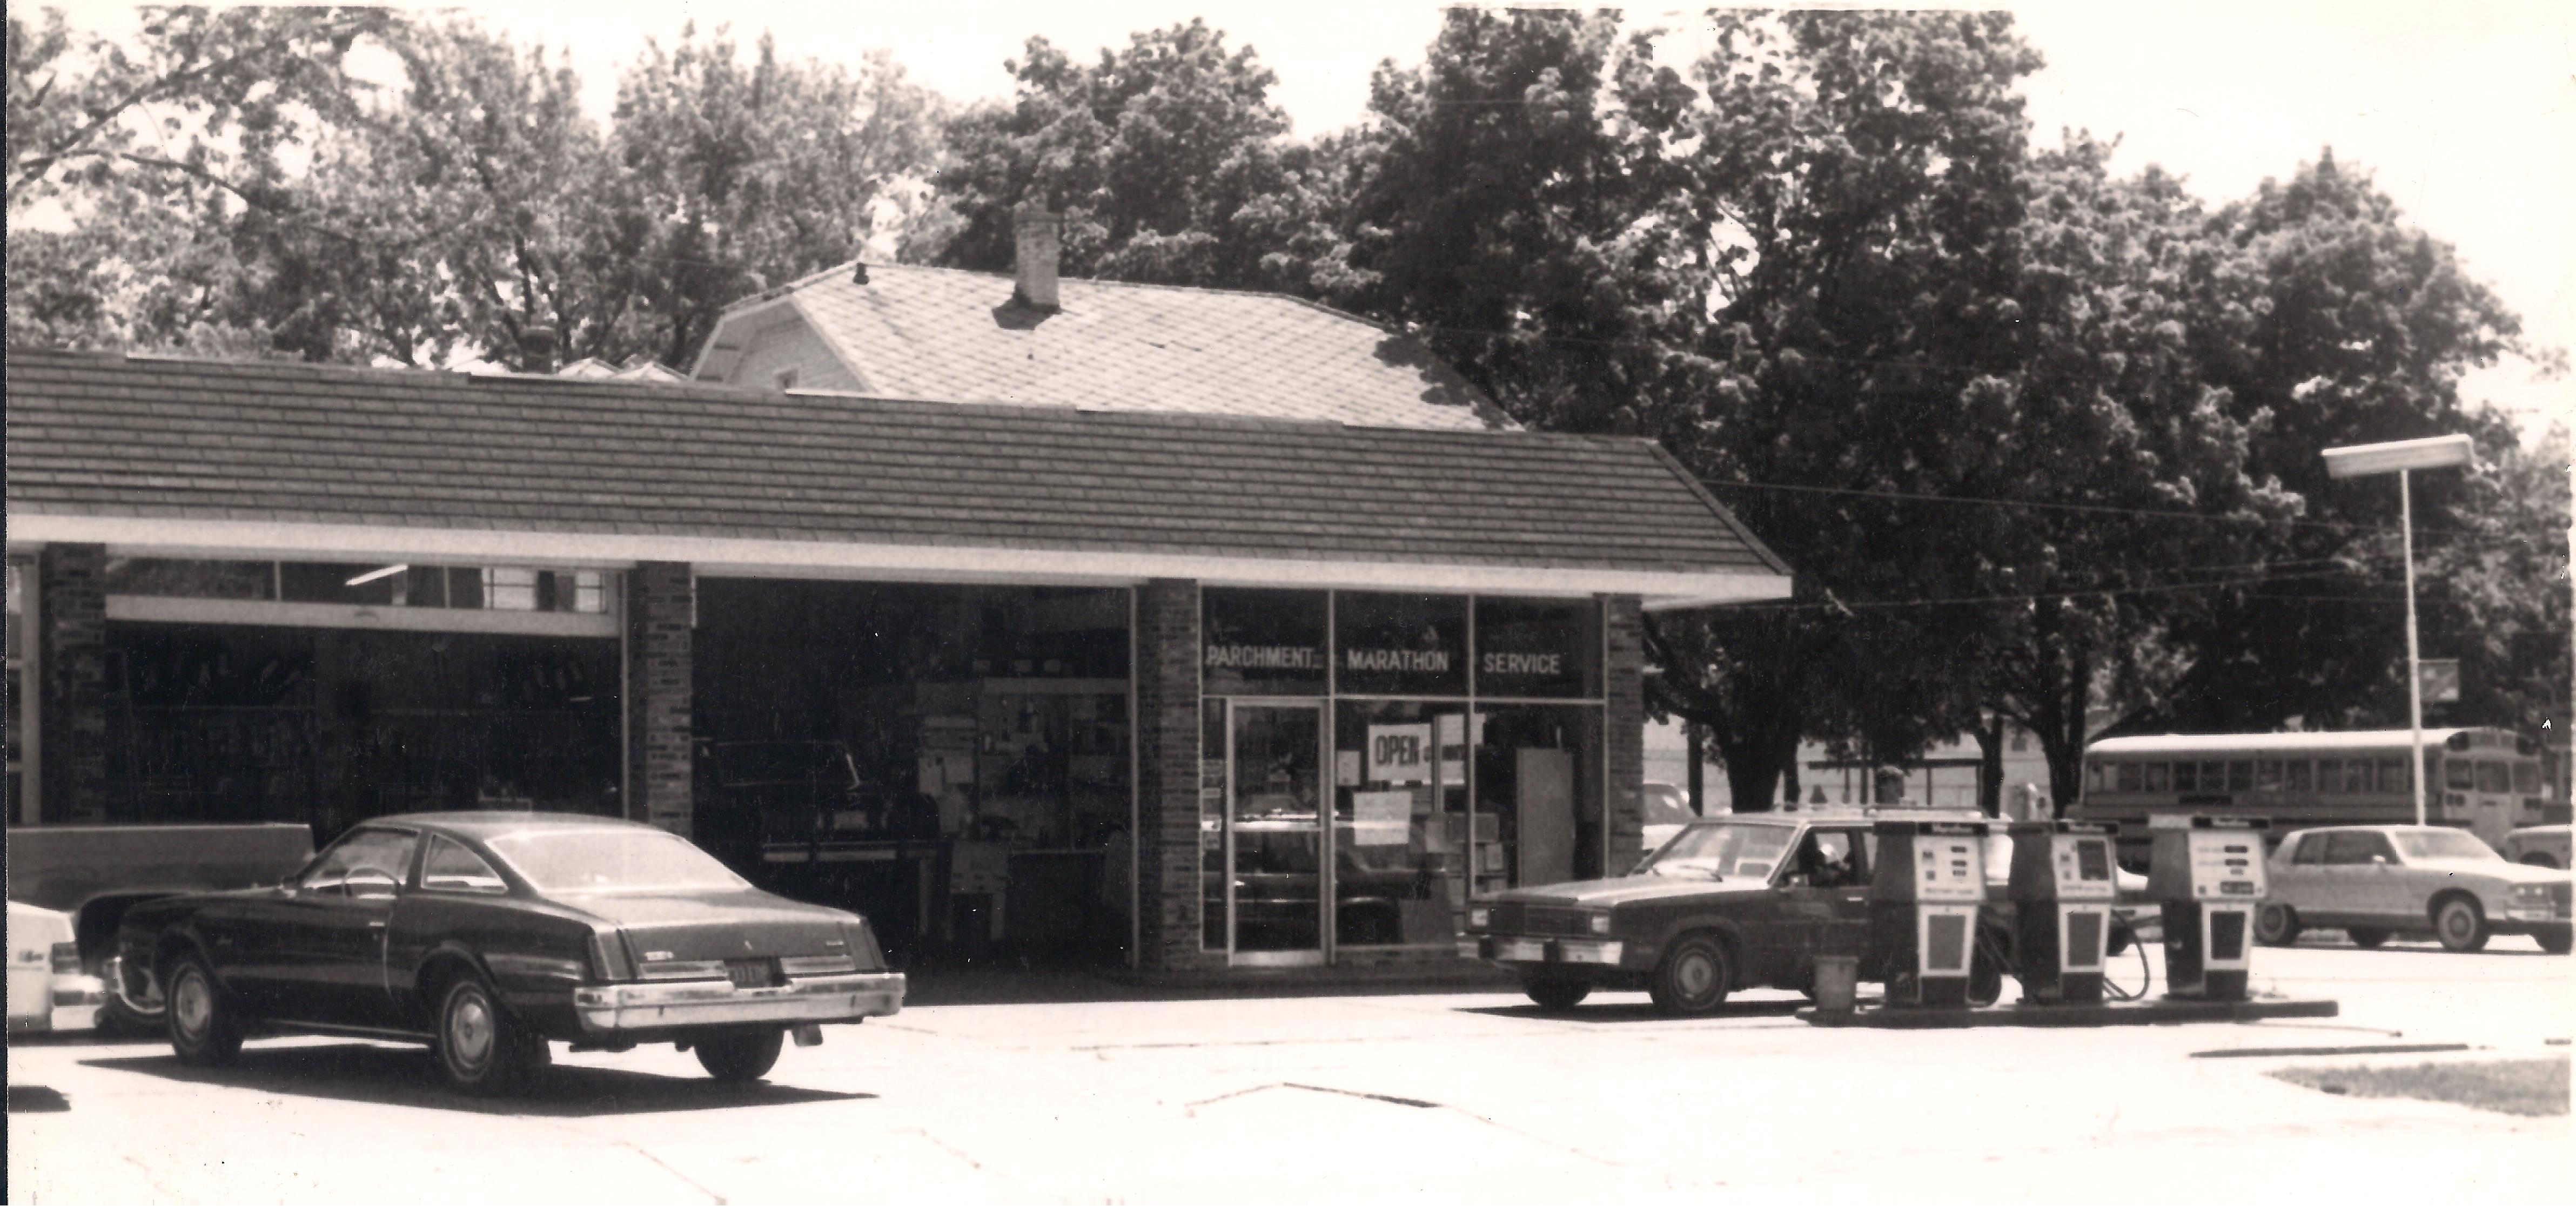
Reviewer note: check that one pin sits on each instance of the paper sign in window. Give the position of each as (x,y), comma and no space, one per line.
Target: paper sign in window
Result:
(1382,818)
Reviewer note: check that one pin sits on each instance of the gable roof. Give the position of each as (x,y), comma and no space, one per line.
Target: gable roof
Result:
(945,335)
(193,457)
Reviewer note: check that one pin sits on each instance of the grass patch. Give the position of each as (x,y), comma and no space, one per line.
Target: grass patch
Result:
(2534,1087)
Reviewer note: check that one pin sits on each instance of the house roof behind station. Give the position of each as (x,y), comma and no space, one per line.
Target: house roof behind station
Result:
(947,335)
(103,447)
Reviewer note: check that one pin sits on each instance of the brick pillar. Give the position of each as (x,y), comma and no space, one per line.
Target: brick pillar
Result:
(1167,761)
(71,631)
(660,597)
(1624,744)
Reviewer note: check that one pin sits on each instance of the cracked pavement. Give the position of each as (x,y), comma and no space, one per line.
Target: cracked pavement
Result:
(1431,1097)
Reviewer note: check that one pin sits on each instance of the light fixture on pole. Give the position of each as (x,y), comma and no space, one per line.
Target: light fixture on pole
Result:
(2403,457)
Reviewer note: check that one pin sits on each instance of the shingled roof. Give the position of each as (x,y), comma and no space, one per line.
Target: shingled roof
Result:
(184,456)
(945,335)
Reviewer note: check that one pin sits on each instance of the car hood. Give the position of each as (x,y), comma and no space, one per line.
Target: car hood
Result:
(1625,889)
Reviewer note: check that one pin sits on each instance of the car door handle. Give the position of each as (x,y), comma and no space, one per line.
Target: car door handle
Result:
(377,924)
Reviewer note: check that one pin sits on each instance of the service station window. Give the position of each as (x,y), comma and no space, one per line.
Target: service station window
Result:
(1400,644)
(1538,649)
(1263,642)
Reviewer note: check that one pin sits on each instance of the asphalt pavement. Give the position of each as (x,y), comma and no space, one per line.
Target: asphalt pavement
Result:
(1119,1096)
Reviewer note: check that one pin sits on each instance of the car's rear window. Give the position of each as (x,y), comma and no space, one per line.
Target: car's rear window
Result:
(2443,843)
(602,859)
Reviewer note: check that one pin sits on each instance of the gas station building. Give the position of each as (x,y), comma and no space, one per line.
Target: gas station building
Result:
(1166,627)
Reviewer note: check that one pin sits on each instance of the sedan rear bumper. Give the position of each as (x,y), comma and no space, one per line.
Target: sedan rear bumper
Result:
(615,1008)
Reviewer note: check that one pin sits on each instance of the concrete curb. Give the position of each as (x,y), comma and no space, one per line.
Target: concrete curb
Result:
(2165,1012)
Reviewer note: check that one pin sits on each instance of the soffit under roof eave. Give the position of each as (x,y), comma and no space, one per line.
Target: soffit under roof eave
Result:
(722,556)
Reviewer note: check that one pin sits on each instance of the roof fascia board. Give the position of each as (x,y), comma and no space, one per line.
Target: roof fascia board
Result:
(747,557)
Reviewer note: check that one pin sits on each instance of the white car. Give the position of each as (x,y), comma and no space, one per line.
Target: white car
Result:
(46,988)
(1667,809)
(2372,881)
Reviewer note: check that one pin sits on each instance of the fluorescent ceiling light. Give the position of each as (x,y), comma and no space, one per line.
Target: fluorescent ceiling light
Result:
(372,575)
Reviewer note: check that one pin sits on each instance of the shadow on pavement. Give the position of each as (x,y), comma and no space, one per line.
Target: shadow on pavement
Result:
(37,1099)
(408,1076)
(1003,983)
(1640,1011)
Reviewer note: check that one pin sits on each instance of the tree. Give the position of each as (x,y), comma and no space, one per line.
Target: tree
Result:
(1859,174)
(125,158)
(733,177)
(1167,158)
(2359,328)
(1516,202)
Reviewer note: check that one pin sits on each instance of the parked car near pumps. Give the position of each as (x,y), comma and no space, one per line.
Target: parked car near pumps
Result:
(47,989)
(1667,809)
(489,935)
(2375,881)
(2538,846)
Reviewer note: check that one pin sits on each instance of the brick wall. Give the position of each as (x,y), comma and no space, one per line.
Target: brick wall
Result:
(659,602)
(71,603)
(1167,760)
(1624,718)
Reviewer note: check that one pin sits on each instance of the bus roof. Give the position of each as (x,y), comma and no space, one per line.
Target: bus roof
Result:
(2250,743)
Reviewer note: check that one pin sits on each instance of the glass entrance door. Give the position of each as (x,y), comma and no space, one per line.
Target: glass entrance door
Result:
(1276,841)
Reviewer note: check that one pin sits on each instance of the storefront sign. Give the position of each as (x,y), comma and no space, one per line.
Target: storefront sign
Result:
(1264,657)
(1399,753)
(1537,648)
(1400,644)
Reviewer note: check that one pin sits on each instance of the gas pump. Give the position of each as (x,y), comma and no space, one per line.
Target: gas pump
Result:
(2208,874)
(2062,890)
(1923,902)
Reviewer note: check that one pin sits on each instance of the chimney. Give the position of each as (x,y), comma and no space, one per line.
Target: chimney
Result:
(1037,237)
(537,349)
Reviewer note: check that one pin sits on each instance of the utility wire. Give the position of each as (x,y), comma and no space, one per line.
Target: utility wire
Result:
(2099,593)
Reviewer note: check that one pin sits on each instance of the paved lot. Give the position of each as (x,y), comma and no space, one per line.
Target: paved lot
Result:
(1428,1098)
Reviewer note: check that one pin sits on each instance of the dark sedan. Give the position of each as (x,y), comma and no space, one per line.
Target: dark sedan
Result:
(488,935)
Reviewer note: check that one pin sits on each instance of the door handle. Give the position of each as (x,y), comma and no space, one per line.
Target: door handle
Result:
(377,924)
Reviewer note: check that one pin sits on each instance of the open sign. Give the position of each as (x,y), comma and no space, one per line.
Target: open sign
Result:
(1399,753)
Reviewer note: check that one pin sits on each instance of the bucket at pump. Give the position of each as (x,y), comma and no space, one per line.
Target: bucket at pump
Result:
(1837,982)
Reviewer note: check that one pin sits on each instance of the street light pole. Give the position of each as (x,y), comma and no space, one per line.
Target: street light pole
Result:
(2403,457)
(2414,659)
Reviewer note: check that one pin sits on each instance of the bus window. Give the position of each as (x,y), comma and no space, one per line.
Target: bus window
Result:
(2297,777)
(2526,778)
(2186,776)
(2356,776)
(2097,776)
(2329,776)
(2129,777)
(2267,775)
(2392,776)
(2213,776)
(2492,778)
(2157,779)
(2459,774)
(2240,775)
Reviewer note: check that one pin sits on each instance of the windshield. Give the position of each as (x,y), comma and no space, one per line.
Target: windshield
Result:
(1722,850)
(2444,843)
(602,859)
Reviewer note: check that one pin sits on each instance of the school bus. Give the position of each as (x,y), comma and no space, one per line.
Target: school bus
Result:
(2484,780)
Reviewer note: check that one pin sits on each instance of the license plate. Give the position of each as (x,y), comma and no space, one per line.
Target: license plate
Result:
(2237,887)
(752,973)
(1520,950)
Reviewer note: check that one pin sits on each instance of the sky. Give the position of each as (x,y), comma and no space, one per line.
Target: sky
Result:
(2465,110)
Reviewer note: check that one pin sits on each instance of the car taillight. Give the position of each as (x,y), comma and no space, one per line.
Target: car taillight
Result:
(608,956)
(863,945)
(67,959)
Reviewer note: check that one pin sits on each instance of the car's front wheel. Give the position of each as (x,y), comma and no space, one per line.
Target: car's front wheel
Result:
(204,1029)
(1553,994)
(2277,925)
(480,1047)
(740,1057)
(1693,978)
(2460,924)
